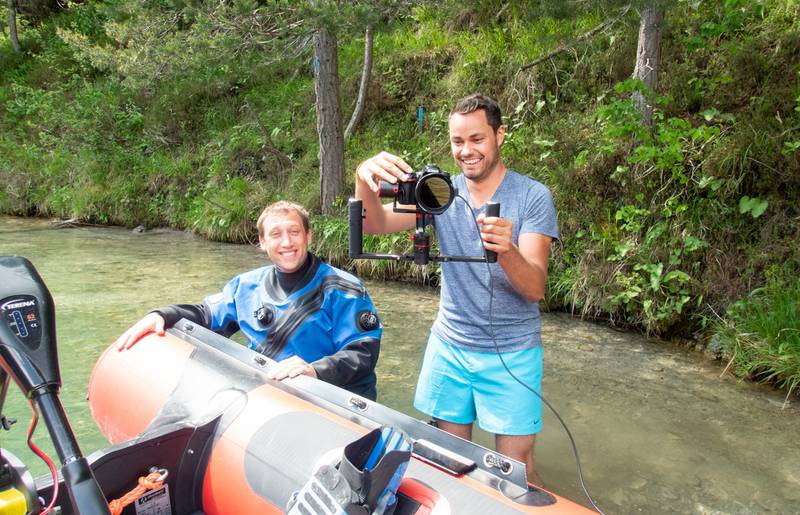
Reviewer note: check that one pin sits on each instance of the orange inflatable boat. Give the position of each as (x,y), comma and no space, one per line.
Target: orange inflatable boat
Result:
(201,407)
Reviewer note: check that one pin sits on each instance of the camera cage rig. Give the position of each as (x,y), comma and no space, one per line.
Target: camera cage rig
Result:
(429,201)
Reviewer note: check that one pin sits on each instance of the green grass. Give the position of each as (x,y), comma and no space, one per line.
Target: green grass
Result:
(761,334)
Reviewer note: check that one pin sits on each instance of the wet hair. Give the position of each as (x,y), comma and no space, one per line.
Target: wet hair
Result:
(282,207)
(477,102)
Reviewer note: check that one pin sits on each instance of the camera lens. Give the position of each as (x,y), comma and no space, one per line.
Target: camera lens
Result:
(434,193)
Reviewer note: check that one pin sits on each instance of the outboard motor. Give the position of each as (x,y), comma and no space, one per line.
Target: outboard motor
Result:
(28,354)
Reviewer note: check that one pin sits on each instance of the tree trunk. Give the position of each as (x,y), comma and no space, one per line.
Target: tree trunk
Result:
(329,119)
(362,88)
(12,26)
(648,57)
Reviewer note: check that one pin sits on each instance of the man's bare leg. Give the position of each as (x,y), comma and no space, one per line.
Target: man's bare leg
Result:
(518,447)
(521,449)
(462,430)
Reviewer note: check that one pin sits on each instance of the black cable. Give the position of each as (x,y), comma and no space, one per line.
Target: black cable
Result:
(500,355)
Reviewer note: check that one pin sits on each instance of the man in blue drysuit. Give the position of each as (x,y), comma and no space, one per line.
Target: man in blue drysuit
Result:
(312,318)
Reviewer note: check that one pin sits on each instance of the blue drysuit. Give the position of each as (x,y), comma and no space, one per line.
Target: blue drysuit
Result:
(327,319)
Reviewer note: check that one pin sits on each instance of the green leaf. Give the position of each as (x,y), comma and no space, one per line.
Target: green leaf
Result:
(681,302)
(621,249)
(755,206)
(759,208)
(655,276)
(790,147)
(745,204)
(690,243)
(678,275)
(709,114)
(709,182)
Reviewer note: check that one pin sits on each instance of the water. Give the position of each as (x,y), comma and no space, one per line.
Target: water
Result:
(658,429)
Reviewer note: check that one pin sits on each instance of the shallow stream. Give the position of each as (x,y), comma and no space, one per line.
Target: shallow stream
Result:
(658,428)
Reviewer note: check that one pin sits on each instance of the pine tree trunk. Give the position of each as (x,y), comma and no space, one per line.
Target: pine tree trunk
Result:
(366,71)
(12,26)
(648,57)
(329,119)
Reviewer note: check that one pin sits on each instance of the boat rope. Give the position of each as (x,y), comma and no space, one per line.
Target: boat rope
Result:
(153,480)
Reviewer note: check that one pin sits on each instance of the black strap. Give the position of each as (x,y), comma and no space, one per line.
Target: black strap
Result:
(301,309)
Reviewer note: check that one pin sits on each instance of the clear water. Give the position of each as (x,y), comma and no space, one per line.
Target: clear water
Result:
(658,429)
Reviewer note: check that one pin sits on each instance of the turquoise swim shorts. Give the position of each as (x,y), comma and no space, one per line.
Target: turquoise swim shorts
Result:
(457,385)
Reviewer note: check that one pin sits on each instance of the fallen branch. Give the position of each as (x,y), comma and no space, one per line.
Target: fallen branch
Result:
(71,223)
(284,161)
(583,37)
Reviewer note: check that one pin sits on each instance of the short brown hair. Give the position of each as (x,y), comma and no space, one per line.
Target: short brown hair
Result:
(478,102)
(282,207)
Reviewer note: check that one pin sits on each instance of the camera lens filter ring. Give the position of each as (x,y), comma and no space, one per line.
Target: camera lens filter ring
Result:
(434,192)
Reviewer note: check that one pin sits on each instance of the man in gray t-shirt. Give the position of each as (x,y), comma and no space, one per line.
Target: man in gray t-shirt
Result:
(480,364)
(463,318)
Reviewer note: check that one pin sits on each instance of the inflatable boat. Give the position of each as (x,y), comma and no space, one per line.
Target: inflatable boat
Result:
(198,411)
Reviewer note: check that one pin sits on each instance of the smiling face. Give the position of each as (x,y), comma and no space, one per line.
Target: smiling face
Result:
(285,240)
(475,145)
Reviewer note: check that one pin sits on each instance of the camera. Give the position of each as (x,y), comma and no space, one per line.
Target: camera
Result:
(430,191)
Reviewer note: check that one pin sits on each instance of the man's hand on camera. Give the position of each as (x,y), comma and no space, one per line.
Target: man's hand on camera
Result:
(291,367)
(382,167)
(496,233)
(153,322)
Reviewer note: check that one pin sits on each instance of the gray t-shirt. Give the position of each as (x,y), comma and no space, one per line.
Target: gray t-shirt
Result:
(463,318)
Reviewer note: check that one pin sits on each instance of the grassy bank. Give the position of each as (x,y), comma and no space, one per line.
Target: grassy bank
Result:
(159,114)
(761,334)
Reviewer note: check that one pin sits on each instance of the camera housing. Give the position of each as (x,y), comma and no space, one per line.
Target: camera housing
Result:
(430,191)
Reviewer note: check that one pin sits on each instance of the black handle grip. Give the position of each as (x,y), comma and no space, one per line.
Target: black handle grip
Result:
(388,189)
(355,231)
(492,209)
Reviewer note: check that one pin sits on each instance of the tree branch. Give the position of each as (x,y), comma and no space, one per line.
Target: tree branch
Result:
(583,37)
(362,88)
(268,146)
